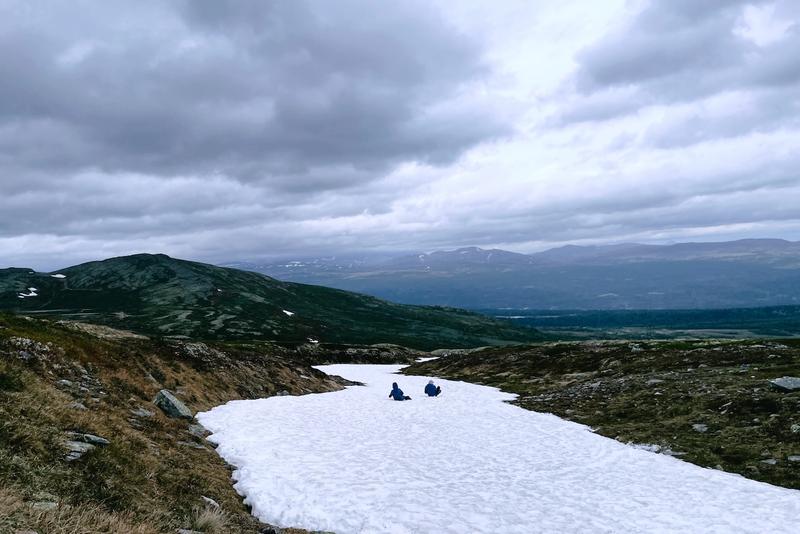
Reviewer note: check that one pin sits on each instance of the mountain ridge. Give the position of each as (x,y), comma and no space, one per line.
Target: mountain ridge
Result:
(728,274)
(162,296)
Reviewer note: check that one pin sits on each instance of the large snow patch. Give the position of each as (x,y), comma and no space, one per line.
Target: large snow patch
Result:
(354,461)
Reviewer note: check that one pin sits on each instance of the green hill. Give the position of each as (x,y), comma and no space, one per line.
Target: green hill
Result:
(162,296)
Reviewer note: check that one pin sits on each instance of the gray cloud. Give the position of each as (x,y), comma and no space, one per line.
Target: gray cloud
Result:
(684,52)
(222,130)
(254,90)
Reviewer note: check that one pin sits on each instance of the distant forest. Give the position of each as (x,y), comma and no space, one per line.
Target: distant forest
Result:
(777,321)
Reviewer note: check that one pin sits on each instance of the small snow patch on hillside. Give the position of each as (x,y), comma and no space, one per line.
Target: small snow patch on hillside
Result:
(32,292)
(312,340)
(60,276)
(287,312)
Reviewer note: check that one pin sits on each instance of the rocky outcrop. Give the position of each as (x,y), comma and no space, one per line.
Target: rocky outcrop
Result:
(171,406)
(786,383)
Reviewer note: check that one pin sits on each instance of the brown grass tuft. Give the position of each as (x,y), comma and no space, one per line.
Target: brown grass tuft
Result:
(209,519)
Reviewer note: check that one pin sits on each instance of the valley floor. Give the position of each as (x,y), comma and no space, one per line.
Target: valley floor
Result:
(354,461)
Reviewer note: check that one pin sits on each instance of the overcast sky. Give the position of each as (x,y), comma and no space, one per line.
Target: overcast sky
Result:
(225,130)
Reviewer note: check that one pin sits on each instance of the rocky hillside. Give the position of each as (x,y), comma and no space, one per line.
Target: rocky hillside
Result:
(720,404)
(96,428)
(161,296)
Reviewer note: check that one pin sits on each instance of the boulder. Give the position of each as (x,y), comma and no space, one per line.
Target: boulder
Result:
(76,449)
(786,383)
(171,406)
(700,427)
(141,412)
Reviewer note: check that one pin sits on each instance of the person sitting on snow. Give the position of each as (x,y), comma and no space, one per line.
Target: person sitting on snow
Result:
(432,390)
(397,393)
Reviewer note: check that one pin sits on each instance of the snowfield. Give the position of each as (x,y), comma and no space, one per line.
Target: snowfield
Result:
(355,461)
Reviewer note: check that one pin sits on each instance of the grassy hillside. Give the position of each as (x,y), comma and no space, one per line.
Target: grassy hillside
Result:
(57,381)
(162,296)
(707,402)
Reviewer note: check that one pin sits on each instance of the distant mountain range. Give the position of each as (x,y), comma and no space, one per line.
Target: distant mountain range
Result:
(745,273)
(162,296)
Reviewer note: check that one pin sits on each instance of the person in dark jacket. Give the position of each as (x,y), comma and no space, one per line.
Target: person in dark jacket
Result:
(397,393)
(432,390)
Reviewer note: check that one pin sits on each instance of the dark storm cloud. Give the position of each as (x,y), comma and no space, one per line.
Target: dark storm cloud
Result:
(223,130)
(270,91)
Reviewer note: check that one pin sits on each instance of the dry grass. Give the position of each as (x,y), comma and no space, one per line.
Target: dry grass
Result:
(145,480)
(85,519)
(209,519)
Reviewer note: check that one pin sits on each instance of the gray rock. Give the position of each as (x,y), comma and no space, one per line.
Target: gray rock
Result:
(769,461)
(171,406)
(77,406)
(654,381)
(794,458)
(25,532)
(65,383)
(45,496)
(192,444)
(786,383)
(96,440)
(88,438)
(77,449)
(282,393)
(44,506)
(700,427)
(198,431)
(141,412)
(187,531)
(209,501)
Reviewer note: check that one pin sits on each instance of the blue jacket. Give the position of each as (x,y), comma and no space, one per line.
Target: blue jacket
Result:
(430,390)
(397,393)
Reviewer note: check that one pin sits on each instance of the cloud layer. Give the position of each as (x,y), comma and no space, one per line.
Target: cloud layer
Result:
(222,130)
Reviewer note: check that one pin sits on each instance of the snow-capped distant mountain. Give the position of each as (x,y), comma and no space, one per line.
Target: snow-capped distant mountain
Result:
(745,273)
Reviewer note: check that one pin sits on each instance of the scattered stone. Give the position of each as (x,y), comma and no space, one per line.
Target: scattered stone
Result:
(171,406)
(654,381)
(770,461)
(282,393)
(65,383)
(794,458)
(141,412)
(211,502)
(25,532)
(44,506)
(187,531)
(270,530)
(96,440)
(786,383)
(77,406)
(88,438)
(77,449)
(700,427)
(193,445)
(198,431)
